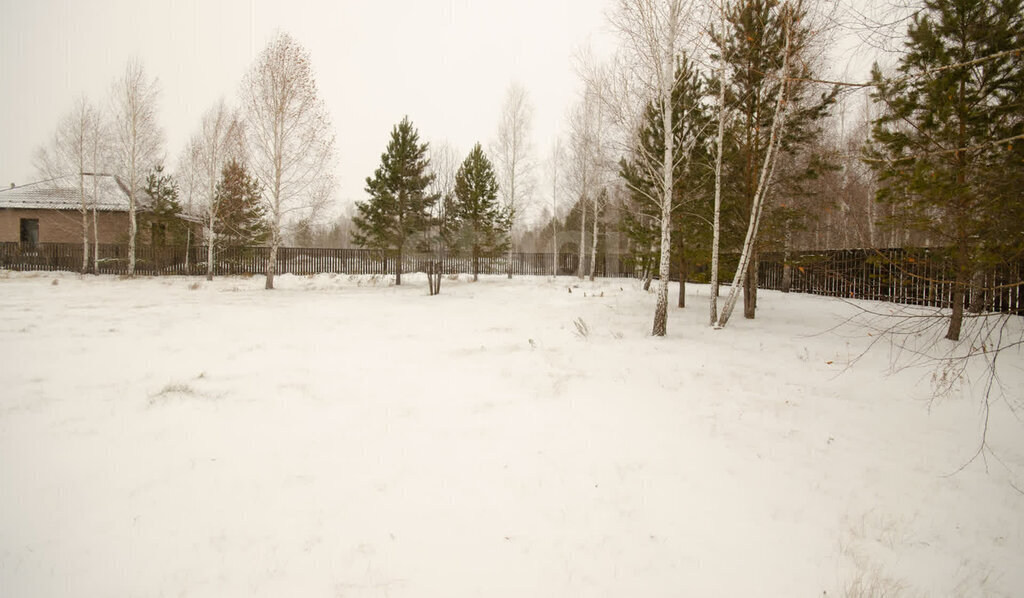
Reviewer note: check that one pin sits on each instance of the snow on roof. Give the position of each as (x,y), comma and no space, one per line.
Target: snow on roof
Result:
(62,193)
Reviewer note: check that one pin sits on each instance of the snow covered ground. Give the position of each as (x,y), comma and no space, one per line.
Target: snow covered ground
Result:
(344,437)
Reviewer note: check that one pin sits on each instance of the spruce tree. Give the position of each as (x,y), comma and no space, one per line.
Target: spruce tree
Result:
(399,206)
(241,217)
(944,148)
(161,215)
(476,221)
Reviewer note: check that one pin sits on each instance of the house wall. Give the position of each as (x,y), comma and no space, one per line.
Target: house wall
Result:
(64,226)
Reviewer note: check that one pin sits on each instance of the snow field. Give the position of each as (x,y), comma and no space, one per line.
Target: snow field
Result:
(344,437)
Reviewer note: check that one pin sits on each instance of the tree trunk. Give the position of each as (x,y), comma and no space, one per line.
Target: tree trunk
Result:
(767,169)
(95,240)
(750,287)
(787,275)
(476,263)
(85,225)
(508,266)
(593,246)
(963,270)
(660,327)
(398,268)
(977,304)
(716,226)
(583,237)
(554,224)
(787,268)
(209,253)
(272,262)
(85,240)
(682,273)
(132,230)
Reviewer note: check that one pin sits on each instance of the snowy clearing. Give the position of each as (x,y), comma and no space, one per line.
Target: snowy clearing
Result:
(343,437)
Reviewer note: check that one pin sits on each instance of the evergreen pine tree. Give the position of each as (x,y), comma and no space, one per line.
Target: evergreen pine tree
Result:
(641,220)
(753,46)
(161,215)
(936,148)
(475,220)
(241,217)
(399,206)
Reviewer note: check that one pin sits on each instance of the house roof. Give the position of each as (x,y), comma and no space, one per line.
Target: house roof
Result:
(62,193)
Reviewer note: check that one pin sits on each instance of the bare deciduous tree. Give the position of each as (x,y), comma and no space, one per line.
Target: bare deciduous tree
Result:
(557,157)
(218,140)
(757,204)
(653,33)
(444,164)
(74,151)
(513,152)
(137,139)
(289,136)
(582,173)
(716,225)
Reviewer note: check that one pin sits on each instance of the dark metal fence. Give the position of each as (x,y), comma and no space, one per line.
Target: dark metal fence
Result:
(149,260)
(909,276)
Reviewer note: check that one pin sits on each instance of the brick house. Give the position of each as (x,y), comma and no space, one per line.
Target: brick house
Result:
(50,211)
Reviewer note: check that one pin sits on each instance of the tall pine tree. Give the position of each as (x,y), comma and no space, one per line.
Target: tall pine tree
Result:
(241,217)
(754,47)
(948,148)
(399,206)
(476,221)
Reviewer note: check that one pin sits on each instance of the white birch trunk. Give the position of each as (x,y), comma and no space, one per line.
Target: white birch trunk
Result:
(716,226)
(593,245)
(583,236)
(85,223)
(554,219)
(767,169)
(660,327)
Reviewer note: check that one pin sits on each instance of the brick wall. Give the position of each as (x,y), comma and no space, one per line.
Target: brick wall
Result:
(64,226)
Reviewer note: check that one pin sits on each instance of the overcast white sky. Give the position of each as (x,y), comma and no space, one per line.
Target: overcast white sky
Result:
(445,63)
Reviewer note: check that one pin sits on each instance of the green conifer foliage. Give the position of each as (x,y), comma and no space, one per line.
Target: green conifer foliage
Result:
(753,46)
(241,217)
(161,216)
(476,221)
(399,206)
(642,173)
(948,149)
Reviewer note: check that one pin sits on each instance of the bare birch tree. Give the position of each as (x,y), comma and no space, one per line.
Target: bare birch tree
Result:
(764,180)
(72,152)
(218,140)
(99,149)
(716,223)
(290,140)
(137,139)
(557,157)
(582,172)
(653,33)
(513,153)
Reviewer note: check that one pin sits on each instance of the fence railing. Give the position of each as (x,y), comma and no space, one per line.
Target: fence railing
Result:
(908,276)
(150,260)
